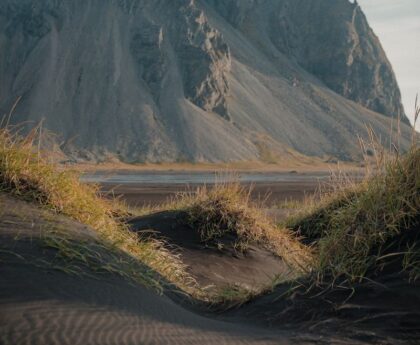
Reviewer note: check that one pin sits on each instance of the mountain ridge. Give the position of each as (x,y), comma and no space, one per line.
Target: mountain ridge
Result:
(197,80)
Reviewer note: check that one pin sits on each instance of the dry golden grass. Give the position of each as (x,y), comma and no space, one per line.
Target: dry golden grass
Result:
(354,229)
(360,228)
(226,209)
(25,174)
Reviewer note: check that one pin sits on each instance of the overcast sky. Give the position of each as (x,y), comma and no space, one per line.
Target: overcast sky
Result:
(397,23)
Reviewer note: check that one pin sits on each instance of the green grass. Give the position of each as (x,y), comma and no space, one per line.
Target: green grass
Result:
(25,174)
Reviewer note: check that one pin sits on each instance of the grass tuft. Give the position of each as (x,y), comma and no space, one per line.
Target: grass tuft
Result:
(25,174)
(365,228)
(225,211)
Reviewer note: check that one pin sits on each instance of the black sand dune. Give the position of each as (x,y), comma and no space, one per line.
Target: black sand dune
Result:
(209,265)
(44,306)
(40,304)
(386,311)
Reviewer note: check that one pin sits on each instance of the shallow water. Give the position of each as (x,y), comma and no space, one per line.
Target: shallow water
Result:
(196,178)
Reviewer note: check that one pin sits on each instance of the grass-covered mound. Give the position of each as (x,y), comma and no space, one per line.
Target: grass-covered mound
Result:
(224,211)
(223,215)
(366,241)
(366,228)
(25,174)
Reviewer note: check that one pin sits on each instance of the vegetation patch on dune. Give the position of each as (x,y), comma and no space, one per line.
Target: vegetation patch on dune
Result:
(354,232)
(365,228)
(24,173)
(226,211)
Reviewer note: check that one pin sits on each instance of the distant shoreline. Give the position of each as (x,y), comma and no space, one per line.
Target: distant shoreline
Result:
(241,167)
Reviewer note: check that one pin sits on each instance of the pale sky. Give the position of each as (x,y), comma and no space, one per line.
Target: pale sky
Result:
(397,24)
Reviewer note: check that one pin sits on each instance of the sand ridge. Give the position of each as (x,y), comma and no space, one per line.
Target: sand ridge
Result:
(44,306)
(210,266)
(40,304)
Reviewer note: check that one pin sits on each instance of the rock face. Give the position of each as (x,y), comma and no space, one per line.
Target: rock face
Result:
(200,80)
(204,59)
(331,39)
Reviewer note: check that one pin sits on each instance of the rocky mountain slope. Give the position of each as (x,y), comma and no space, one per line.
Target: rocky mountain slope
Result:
(200,80)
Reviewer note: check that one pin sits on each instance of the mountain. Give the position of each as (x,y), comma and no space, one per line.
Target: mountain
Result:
(197,80)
